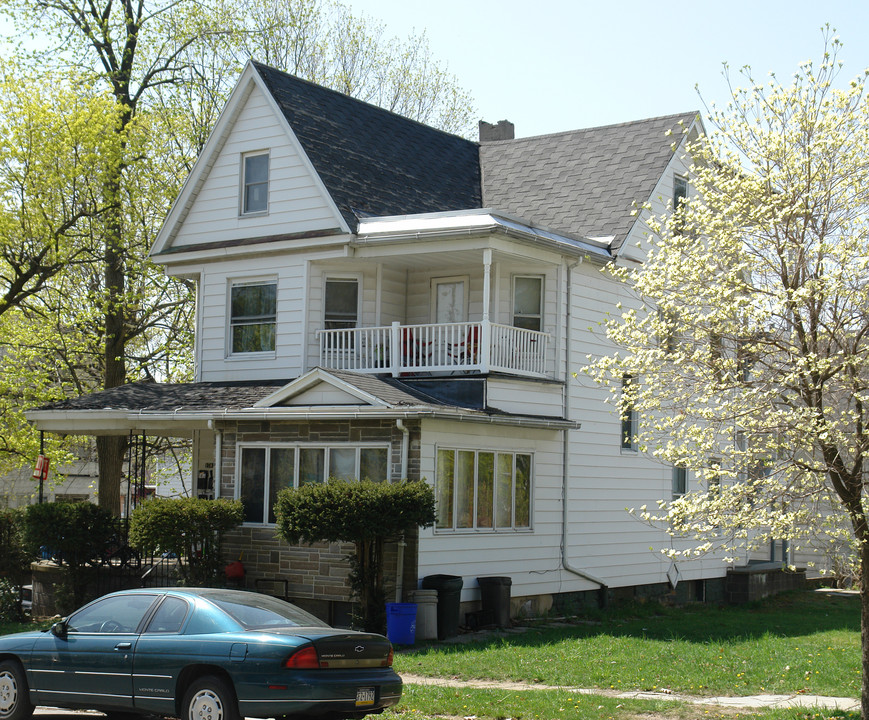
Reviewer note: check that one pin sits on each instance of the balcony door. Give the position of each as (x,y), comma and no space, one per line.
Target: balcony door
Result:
(450,299)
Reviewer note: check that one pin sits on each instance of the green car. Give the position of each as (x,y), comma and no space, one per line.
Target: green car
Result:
(197,654)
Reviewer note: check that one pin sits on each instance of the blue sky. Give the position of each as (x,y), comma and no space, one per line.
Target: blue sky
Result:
(554,65)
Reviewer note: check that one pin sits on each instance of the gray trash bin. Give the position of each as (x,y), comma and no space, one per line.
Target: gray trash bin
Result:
(449,589)
(495,597)
(426,613)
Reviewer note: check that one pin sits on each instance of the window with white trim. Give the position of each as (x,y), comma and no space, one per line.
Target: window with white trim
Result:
(341,303)
(252,316)
(680,197)
(628,414)
(264,470)
(255,183)
(680,481)
(483,490)
(528,302)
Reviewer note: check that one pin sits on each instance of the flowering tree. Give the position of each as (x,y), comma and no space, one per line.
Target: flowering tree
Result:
(747,346)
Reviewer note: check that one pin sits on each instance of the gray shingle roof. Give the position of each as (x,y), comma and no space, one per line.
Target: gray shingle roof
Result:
(583,182)
(374,161)
(218,396)
(173,396)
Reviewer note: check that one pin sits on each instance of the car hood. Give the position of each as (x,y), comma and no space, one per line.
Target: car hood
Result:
(20,641)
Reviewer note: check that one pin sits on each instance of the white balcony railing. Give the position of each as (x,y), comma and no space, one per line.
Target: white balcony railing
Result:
(444,347)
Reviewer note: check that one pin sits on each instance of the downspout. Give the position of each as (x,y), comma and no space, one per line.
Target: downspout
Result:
(399,563)
(565,563)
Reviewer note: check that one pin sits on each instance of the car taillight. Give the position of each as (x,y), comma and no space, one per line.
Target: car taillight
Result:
(389,658)
(304,658)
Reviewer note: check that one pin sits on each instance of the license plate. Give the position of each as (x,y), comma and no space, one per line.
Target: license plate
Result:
(364,696)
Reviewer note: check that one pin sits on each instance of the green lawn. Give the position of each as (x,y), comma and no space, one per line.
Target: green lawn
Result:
(798,643)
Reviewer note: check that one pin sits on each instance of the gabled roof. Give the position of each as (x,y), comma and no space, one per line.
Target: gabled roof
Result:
(372,161)
(583,182)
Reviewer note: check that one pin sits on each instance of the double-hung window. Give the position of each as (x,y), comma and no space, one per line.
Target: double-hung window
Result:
(680,481)
(341,303)
(252,316)
(255,183)
(680,197)
(528,302)
(628,414)
(265,470)
(483,490)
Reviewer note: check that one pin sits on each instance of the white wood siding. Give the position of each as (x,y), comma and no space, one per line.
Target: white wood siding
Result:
(296,201)
(323,394)
(524,397)
(605,481)
(217,363)
(531,558)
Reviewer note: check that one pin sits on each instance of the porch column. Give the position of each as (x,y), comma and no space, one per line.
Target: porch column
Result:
(395,349)
(486,334)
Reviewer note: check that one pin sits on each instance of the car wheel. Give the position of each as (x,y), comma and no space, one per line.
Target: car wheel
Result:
(209,698)
(14,695)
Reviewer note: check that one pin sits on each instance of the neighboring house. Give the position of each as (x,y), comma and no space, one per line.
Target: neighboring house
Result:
(380,299)
(161,473)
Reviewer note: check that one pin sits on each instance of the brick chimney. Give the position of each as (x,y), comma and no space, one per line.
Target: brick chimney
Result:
(504,130)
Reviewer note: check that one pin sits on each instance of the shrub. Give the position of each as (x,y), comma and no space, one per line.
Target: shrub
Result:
(15,558)
(73,534)
(189,528)
(365,513)
(10,605)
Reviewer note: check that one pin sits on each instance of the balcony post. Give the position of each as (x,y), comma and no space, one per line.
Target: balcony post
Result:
(395,349)
(486,325)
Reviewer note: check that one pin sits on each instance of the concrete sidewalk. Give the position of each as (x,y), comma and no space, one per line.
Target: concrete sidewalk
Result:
(747,701)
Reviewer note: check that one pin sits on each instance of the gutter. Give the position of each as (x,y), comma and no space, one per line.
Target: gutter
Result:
(602,255)
(90,417)
(565,480)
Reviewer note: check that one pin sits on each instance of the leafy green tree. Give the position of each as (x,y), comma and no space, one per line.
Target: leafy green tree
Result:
(55,140)
(326,43)
(365,513)
(167,67)
(189,528)
(749,332)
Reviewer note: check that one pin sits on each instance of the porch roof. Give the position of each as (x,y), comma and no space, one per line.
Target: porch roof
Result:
(175,409)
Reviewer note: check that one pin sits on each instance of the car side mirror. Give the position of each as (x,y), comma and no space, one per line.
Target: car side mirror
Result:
(59,629)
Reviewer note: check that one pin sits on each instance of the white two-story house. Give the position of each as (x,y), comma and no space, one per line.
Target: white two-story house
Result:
(379,299)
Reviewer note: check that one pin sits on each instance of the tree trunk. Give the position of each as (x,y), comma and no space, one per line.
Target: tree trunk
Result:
(864,628)
(111,450)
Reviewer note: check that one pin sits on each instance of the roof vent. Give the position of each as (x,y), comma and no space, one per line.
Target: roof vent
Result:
(504,130)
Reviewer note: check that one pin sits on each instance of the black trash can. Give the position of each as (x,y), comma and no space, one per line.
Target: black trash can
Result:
(449,589)
(495,596)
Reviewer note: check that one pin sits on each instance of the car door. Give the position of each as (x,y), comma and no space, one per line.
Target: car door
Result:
(89,660)
(161,653)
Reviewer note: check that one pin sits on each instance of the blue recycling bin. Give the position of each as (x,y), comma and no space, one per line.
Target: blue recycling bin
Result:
(401,623)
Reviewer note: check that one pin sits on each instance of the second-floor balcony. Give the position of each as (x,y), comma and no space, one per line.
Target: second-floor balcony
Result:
(398,349)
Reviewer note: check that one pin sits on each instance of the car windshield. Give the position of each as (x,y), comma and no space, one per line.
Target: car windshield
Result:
(254,611)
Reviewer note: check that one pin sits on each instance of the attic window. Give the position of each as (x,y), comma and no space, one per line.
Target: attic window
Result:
(255,183)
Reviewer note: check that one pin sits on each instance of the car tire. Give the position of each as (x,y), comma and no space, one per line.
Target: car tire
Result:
(14,694)
(209,698)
